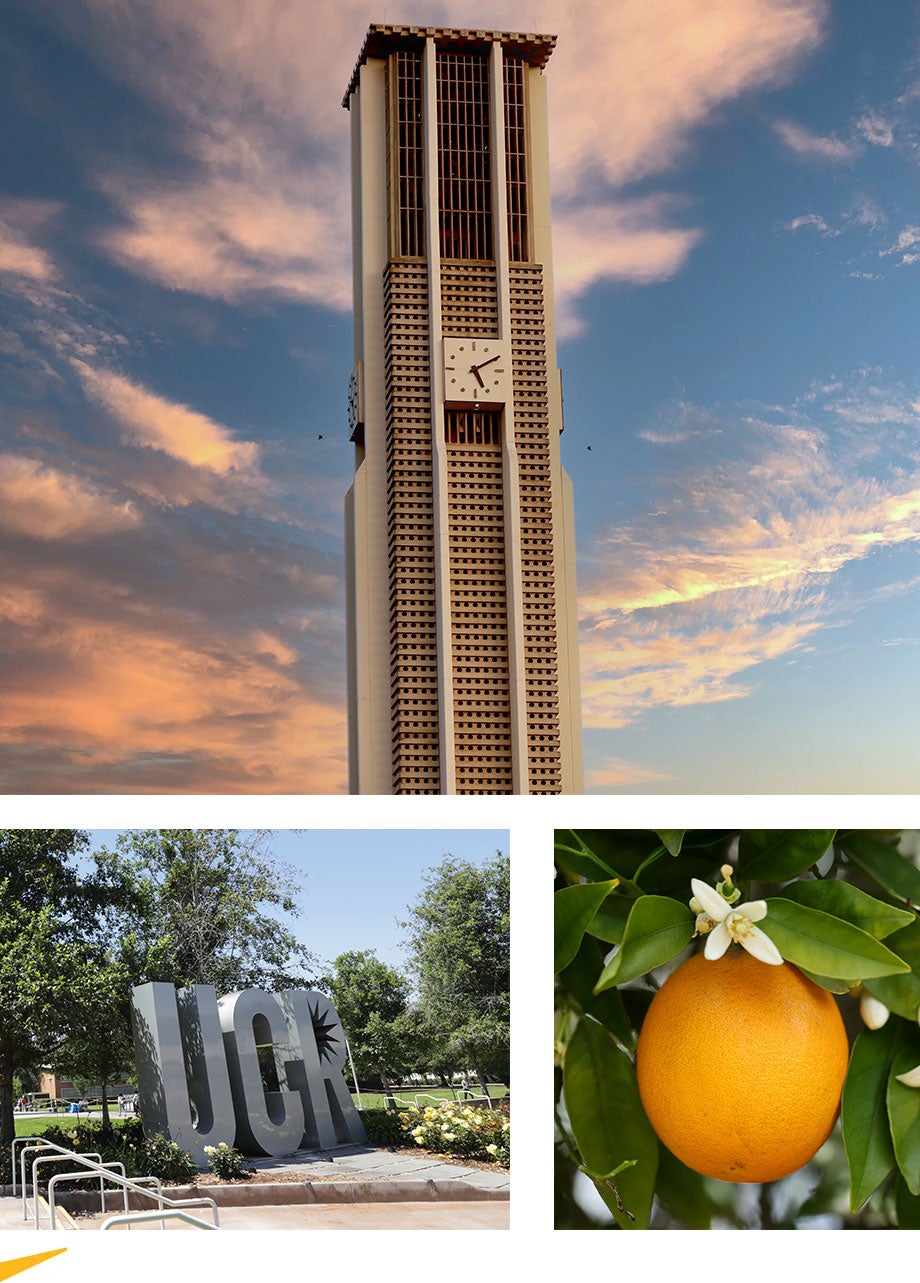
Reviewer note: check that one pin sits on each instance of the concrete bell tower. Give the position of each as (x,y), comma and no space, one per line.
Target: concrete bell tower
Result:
(462,651)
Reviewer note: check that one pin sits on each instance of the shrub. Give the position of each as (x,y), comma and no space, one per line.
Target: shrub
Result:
(224,1161)
(460,1130)
(88,1136)
(383,1127)
(168,1160)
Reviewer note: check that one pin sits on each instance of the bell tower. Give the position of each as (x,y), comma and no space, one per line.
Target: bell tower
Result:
(462,645)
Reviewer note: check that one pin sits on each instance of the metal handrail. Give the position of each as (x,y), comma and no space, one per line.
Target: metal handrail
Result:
(76,1176)
(82,1176)
(156,1216)
(59,1158)
(35,1148)
(444,1100)
(100,1169)
(24,1140)
(201,1201)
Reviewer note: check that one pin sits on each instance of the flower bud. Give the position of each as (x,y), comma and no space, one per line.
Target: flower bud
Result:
(873,1012)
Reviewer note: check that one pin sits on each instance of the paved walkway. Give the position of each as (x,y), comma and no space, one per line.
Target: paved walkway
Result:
(362,1163)
(468,1215)
(355,1187)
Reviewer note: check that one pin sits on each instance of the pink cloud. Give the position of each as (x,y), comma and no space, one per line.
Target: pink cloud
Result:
(745,571)
(624,241)
(146,699)
(44,502)
(151,420)
(811,146)
(253,96)
(21,223)
(613,773)
(627,670)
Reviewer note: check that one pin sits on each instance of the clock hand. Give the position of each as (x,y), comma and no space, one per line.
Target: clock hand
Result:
(474,369)
(482,365)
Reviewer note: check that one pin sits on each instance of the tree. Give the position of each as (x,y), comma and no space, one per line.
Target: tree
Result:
(98,1045)
(372,1000)
(459,951)
(45,908)
(203,906)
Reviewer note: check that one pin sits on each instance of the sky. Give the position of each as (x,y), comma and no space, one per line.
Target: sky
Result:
(357,884)
(737,259)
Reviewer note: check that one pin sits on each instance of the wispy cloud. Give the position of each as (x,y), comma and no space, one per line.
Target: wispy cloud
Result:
(258,202)
(231,235)
(906,247)
(811,146)
(746,568)
(137,702)
(153,421)
(21,223)
(167,621)
(613,773)
(45,502)
(814,222)
(628,241)
(876,129)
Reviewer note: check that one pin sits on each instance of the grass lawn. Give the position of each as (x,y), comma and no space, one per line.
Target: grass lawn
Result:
(35,1124)
(406,1095)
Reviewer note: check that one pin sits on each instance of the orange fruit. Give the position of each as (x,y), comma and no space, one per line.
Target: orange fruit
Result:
(741,1066)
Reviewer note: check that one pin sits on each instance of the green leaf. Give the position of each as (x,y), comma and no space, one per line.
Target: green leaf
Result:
(904,1116)
(827,946)
(864,1114)
(578,981)
(609,923)
(573,909)
(843,900)
(608,1121)
(776,855)
(907,1207)
(671,839)
(577,860)
(683,1192)
(901,993)
(656,931)
(832,985)
(621,851)
(884,865)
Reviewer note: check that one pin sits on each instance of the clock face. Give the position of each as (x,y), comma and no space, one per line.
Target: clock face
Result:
(476,370)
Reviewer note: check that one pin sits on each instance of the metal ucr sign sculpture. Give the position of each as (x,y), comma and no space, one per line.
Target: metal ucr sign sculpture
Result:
(199,1078)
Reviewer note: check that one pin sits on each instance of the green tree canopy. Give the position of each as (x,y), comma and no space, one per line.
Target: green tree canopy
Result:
(459,952)
(372,1000)
(45,910)
(204,906)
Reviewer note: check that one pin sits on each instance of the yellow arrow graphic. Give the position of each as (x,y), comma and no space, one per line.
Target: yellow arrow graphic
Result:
(9,1268)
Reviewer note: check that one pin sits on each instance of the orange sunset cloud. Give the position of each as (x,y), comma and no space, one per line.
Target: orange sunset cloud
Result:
(205,712)
(152,421)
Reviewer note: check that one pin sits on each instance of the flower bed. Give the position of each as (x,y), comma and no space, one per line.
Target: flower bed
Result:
(461,1130)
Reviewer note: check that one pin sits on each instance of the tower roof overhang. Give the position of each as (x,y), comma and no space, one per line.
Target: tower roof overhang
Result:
(383,39)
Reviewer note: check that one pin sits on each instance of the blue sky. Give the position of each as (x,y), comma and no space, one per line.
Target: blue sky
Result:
(737,253)
(356,884)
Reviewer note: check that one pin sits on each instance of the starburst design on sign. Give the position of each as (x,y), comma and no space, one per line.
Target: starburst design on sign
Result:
(9,1268)
(323,1031)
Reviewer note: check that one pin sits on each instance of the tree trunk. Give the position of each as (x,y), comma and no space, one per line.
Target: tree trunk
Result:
(7,1121)
(483,1083)
(106,1120)
(388,1100)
